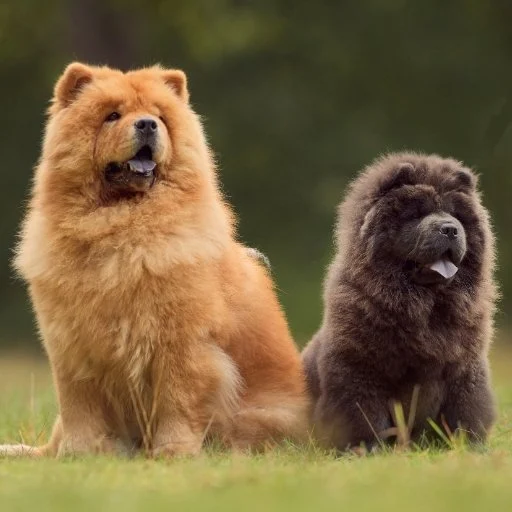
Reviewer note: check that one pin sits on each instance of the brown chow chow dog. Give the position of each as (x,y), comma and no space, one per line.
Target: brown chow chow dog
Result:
(409,301)
(160,328)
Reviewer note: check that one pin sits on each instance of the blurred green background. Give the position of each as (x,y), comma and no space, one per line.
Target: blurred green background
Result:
(296,97)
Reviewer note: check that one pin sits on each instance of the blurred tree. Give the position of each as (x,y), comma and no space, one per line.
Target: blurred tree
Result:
(296,98)
(101,32)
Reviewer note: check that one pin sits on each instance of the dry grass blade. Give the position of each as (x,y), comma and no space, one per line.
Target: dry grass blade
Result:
(439,431)
(403,438)
(140,420)
(377,436)
(155,400)
(414,408)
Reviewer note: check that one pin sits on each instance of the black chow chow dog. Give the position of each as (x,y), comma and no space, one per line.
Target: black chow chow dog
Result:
(409,301)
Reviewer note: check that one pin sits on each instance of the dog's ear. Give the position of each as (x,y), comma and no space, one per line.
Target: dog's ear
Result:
(259,256)
(75,77)
(465,179)
(177,81)
(403,174)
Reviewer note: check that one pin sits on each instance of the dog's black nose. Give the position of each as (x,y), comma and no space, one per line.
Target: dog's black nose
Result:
(448,229)
(146,126)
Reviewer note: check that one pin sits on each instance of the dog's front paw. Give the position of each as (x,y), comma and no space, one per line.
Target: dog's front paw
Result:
(87,444)
(177,449)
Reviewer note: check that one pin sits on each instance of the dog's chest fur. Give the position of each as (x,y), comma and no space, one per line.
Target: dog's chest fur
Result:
(105,312)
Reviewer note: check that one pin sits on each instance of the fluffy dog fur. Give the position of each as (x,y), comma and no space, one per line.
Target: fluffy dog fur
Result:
(392,323)
(160,328)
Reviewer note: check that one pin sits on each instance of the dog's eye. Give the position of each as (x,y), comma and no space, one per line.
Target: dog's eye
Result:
(162,119)
(410,211)
(114,116)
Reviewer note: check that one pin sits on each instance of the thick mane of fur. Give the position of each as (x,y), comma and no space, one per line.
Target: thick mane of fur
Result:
(355,278)
(197,223)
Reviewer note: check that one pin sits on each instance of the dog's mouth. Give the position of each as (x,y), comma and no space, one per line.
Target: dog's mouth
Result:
(135,175)
(440,271)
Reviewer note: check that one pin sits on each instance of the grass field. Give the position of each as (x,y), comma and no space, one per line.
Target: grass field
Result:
(296,479)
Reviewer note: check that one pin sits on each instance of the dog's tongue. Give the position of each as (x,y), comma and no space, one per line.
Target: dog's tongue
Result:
(444,267)
(141,165)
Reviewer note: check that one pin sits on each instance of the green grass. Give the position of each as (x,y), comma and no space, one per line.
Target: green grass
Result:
(297,479)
